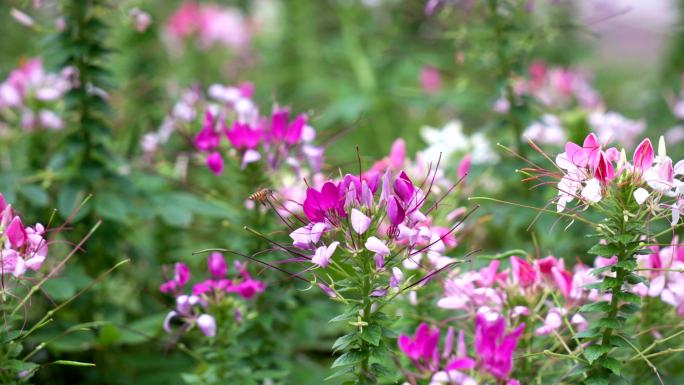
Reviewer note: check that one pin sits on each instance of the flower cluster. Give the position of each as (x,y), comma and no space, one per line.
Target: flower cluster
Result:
(230,112)
(373,213)
(494,349)
(24,247)
(193,309)
(554,88)
(30,97)
(451,140)
(589,171)
(209,24)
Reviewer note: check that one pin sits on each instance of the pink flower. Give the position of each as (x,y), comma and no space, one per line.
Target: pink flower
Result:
(397,155)
(379,248)
(464,166)
(404,188)
(207,325)
(563,279)
(523,272)
(359,221)
(215,162)
(16,233)
(242,136)
(643,155)
(324,204)
(422,349)
(495,348)
(430,80)
(217,265)
(323,254)
(207,139)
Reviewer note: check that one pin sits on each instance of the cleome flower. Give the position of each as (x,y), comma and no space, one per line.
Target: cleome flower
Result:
(24,247)
(207,295)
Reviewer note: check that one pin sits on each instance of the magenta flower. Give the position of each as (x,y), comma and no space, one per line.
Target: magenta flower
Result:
(207,139)
(523,272)
(495,348)
(215,163)
(217,265)
(422,349)
(430,80)
(242,136)
(643,155)
(563,279)
(404,188)
(327,204)
(16,233)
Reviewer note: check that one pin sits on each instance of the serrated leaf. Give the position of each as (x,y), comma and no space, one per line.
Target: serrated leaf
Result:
(372,334)
(611,364)
(348,358)
(594,352)
(596,307)
(604,250)
(343,342)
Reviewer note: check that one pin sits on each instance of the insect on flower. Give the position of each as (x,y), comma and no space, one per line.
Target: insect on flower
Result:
(261,195)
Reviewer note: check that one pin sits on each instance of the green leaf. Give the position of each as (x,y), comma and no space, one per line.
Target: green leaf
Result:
(612,364)
(636,279)
(340,373)
(629,297)
(610,283)
(604,250)
(175,216)
(627,264)
(596,307)
(588,333)
(343,317)
(59,288)
(608,323)
(629,308)
(593,352)
(600,270)
(68,200)
(348,358)
(372,334)
(344,341)
(111,206)
(36,195)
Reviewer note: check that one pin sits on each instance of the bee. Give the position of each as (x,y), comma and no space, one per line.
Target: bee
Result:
(261,195)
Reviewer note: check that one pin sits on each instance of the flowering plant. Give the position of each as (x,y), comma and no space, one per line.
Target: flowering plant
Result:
(631,197)
(221,308)
(23,252)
